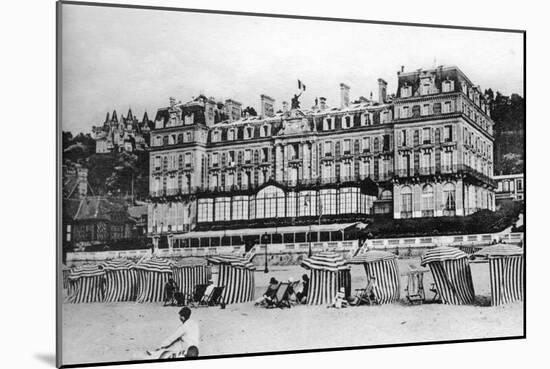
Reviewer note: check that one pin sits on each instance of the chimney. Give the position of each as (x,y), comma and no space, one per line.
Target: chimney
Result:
(382,85)
(402,68)
(234,109)
(323,103)
(285,106)
(344,95)
(267,104)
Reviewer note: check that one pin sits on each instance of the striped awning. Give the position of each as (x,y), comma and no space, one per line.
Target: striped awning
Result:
(498,250)
(372,256)
(89,270)
(234,261)
(117,264)
(155,265)
(442,253)
(327,260)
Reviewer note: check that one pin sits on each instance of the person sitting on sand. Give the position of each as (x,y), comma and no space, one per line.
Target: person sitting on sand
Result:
(339,300)
(269,293)
(170,288)
(183,342)
(302,295)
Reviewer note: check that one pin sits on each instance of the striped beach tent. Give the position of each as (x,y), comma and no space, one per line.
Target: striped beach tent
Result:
(329,272)
(451,273)
(120,280)
(237,276)
(152,275)
(382,266)
(65,270)
(188,273)
(506,272)
(86,284)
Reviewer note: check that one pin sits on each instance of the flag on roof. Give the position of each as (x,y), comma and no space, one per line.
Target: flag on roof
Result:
(301,86)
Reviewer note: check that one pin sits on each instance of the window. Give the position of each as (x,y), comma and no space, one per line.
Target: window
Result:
(376,144)
(425,88)
(247,156)
(328,148)
(416,111)
(346,123)
(447,107)
(157,162)
(307,203)
(215,159)
(291,204)
(165,140)
(448,133)
(249,133)
(349,198)
(405,112)
(366,144)
(519,184)
(205,210)
(231,135)
(406,202)
(188,137)
(347,149)
(188,119)
(404,137)
(437,108)
(385,117)
(448,86)
(425,109)
(264,154)
(426,135)
(180,138)
(365,119)
(216,136)
(187,159)
(328,124)
(222,210)
(265,131)
(328,201)
(427,201)
(406,91)
(426,162)
(231,158)
(449,199)
(240,207)
(386,142)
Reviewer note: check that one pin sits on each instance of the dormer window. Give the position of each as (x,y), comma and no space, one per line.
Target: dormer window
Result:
(328,124)
(406,91)
(188,119)
(265,131)
(248,133)
(216,136)
(448,86)
(346,122)
(365,121)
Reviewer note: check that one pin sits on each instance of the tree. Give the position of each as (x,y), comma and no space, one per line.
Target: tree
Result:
(251,111)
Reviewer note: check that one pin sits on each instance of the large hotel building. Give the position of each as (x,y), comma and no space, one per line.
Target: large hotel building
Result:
(219,176)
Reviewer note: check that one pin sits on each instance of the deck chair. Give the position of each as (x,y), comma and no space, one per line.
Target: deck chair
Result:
(433,289)
(198,294)
(415,287)
(214,299)
(280,299)
(366,295)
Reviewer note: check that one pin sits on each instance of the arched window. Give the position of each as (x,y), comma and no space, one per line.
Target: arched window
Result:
(265,131)
(406,202)
(449,195)
(427,201)
(386,195)
(270,202)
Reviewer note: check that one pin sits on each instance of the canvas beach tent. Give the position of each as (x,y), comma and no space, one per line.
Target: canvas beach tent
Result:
(120,280)
(152,275)
(189,273)
(506,265)
(451,273)
(236,274)
(329,272)
(382,267)
(86,284)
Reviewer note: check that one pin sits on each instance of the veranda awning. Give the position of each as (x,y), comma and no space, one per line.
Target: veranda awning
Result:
(314,228)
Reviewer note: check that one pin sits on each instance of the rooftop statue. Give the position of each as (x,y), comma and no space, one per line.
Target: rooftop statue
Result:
(295,103)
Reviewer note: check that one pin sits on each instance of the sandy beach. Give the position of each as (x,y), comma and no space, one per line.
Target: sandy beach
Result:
(102,332)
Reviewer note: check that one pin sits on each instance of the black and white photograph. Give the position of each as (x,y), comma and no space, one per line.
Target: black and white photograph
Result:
(245,184)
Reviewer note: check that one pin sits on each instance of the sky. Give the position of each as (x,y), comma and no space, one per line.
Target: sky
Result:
(118,58)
